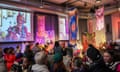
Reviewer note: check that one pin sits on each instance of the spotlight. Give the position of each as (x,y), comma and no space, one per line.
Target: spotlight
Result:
(98,1)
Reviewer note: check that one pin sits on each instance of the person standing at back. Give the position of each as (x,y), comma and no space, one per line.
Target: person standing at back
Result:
(57,48)
(112,60)
(10,58)
(40,62)
(36,48)
(96,60)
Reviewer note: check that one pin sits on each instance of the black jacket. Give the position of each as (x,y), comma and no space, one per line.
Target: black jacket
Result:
(99,66)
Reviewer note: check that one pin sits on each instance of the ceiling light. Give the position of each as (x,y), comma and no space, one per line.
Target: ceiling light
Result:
(41,4)
(98,1)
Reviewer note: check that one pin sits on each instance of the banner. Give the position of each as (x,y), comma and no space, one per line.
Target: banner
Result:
(44,35)
(99,18)
(63,34)
(40,34)
(73,24)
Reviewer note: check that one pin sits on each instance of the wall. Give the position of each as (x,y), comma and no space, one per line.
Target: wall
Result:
(100,36)
(108,25)
(115,26)
(82,23)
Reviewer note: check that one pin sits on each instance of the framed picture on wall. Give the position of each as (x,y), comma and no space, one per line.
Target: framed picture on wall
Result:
(119,30)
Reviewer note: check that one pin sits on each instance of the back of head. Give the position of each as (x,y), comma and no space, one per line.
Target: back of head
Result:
(11,50)
(27,48)
(5,50)
(93,53)
(77,62)
(37,44)
(57,44)
(40,57)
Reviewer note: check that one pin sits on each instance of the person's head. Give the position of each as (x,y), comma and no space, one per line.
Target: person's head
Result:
(27,48)
(108,56)
(5,50)
(11,50)
(77,62)
(93,54)
(37,44)
(25,62)
(40,58)
(20,19)
(17,47)
(57,44)
(58,57)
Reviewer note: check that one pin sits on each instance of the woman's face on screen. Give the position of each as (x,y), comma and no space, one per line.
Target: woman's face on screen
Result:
(20,20)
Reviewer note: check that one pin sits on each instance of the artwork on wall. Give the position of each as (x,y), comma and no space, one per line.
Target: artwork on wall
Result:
(43,34)
(40,29)
(73,24)
(99,18)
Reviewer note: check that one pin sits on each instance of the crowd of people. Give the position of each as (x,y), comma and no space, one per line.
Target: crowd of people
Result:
(59,59)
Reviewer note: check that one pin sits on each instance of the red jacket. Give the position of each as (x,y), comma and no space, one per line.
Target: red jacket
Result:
(9,58)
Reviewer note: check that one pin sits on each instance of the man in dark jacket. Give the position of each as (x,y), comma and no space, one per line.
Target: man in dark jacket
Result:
(97,62)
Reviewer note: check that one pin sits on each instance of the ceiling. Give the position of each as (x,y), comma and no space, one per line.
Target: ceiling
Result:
(84,6)
(81,3)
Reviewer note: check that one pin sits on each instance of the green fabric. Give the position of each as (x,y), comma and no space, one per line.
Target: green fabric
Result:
(58,57)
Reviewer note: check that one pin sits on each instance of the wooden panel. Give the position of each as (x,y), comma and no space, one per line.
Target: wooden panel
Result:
(57,1)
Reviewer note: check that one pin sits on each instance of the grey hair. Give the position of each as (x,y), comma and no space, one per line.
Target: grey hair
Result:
(40,57)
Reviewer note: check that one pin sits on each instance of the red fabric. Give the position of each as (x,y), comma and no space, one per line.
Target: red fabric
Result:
(10,58)
(118,68)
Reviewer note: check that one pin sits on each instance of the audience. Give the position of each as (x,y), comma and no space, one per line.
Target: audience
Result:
(29,54)
(9,58)
(40,62)
(26,66)
(78,65)
(36,48)
(96,60)
(111,60)
(59,59)
(57,47)
(18,50)
(58,65)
